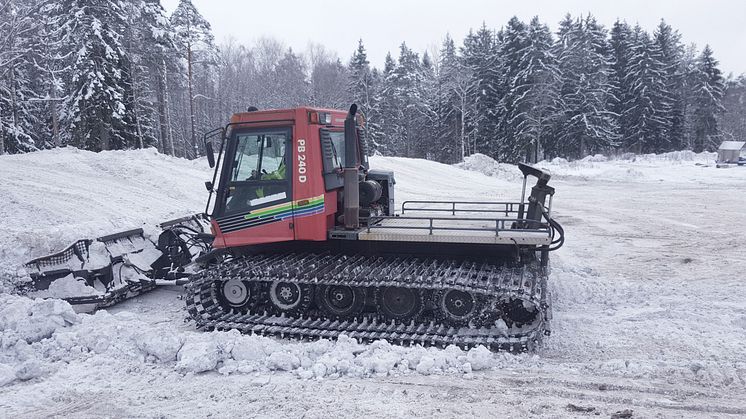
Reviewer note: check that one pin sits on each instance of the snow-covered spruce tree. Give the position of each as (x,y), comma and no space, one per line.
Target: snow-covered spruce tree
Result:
(668,41)
(374,126)
(732,122)
(361,89)
(148,43)
(390,110)
(451,104)
(688,66)
(586,125)
(97,113)
(406,79)
(646,112)
(707,84)
(18,114)
(195,43)
(481,57)
(620,44)
(52,56)
(541,82)
(427,116)
(531,100)
(510,116)
(414,119)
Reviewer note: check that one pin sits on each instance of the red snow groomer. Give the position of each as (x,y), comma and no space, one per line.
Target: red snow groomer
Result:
(305,243)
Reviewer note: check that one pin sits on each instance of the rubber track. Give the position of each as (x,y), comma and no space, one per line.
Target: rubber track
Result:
(490,281)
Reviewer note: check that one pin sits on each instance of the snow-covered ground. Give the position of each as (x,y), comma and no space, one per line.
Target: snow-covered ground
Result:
(648,293)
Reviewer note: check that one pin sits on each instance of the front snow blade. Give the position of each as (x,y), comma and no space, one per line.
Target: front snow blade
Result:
(92,274)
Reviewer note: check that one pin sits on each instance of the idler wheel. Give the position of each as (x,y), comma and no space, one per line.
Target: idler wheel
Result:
(399,303)
(341,300)
(456,307)
(517,313)
(290,297)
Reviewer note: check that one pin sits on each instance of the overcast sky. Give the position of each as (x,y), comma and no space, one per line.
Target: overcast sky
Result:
(384,24)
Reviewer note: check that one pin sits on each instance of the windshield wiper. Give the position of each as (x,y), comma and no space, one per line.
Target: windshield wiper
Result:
(336,157)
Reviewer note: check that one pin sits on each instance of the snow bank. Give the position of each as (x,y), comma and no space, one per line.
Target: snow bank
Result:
(487,165)
(424,179)
(52,198)
(621,168)
(673,166)
(36,334)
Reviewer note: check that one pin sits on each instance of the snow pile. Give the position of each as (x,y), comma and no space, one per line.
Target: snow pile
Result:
(66,287)
(481,163)
(620,168)
(24,322)
(33,320)
(630,167)
(37,334)
(55,197)
(675,156)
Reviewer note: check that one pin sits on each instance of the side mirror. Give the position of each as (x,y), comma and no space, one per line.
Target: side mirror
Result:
(210,154)
(209,186)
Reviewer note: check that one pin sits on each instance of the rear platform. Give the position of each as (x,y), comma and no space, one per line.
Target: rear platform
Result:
(459,222)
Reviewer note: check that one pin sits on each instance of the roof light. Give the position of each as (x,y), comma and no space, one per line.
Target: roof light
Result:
(325,118)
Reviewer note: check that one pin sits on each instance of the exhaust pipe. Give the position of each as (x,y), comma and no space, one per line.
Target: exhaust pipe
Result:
(351,173)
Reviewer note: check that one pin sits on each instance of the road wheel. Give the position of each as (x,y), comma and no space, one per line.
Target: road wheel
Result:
(235,295)
(399,303)
(340,300)
(290,298)
(456,307)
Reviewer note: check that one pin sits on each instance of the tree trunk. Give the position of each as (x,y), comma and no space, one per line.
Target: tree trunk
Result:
(103,135)
(135,106)
(161,96)
(166,126)
(13,110)
(464,139)
(55,121)
(193,140)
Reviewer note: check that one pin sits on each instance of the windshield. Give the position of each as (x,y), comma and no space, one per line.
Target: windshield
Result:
(259,156)
(258,173)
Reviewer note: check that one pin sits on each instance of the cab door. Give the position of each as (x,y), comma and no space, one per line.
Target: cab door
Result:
(258,206)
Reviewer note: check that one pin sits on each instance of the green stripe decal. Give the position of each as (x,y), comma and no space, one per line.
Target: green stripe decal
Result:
(283,209)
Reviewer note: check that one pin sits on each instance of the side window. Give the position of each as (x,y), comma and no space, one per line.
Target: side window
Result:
(333,152)
(338,149)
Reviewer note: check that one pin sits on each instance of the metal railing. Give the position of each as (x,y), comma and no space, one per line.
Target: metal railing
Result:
(454,207)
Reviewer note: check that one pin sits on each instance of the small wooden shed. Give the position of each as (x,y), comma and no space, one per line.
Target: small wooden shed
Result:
(730,151)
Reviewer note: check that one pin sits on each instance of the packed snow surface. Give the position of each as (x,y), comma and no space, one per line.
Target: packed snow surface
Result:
(648,299)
